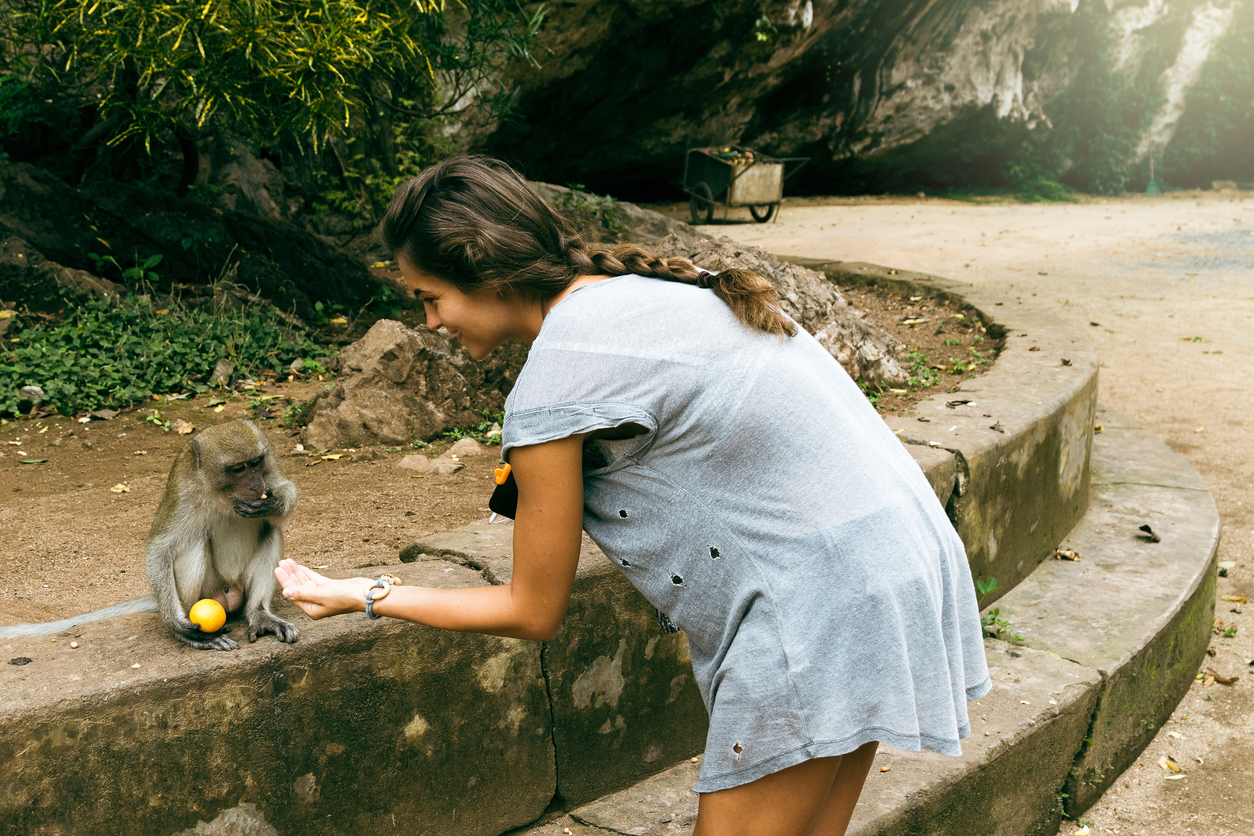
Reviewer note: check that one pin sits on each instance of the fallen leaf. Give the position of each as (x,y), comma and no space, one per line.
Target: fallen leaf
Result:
(218,408)
(136,665)
(121,487)
(1149,534)
(1211,673)
(1067,554)
(998,427)
(333,457)
(1176,735)
(885,768)
(1066,362)
(1236,599)
(1172,777)
(1169,763)
(33,461)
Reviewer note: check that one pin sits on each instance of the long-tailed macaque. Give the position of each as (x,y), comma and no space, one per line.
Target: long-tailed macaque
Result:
(218,534)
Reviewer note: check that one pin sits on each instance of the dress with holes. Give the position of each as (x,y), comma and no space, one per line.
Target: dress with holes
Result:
(769,513)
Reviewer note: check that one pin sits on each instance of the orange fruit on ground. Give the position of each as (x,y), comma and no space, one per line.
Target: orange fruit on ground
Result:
(209,614)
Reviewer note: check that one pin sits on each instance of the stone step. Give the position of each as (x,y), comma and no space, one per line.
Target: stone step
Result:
(1110,644)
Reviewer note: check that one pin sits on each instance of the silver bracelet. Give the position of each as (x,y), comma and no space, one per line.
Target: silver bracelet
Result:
(384,583)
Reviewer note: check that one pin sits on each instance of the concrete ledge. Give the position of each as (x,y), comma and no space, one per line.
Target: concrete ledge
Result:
(621,690)
(352,726)
(1138,612)
(1019,490)
(1113,641)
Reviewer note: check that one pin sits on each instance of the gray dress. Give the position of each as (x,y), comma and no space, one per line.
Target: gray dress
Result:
(769,513)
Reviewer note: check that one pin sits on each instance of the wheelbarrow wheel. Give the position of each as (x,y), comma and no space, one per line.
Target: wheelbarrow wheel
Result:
(701,203)
(763,213)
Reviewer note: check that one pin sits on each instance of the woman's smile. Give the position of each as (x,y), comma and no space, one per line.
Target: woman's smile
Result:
(481,320)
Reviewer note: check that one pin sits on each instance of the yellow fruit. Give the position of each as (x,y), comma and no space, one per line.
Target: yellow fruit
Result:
(209,614)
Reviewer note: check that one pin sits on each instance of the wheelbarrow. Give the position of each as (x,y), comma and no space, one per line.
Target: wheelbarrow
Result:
(732,175)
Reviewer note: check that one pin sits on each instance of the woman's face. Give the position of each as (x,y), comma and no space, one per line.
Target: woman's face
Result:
(481,321)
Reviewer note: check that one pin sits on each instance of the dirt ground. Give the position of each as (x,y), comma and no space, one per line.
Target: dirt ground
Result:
(1164,287)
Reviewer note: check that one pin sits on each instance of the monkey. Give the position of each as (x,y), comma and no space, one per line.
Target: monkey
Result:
(218,534)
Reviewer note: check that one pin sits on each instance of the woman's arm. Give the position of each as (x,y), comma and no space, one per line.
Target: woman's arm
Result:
(547,534)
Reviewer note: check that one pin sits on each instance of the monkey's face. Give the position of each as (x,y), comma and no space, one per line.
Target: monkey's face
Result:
(245,481)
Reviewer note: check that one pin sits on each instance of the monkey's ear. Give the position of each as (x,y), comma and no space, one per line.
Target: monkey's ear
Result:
(196,450)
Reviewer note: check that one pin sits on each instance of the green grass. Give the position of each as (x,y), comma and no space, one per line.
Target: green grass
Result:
(93,354)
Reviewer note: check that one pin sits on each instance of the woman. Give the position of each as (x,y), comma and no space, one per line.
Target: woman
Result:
(729,467)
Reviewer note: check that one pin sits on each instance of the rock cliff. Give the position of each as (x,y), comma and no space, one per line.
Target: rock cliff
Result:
(887,93)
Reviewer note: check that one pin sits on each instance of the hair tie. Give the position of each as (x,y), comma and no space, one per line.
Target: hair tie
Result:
(703,278)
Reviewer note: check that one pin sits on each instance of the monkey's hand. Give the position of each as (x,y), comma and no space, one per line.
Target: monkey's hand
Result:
(263,623)
(189,633)
(320,596)
(271,506)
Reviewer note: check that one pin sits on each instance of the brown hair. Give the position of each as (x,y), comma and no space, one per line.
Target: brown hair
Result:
(476,223)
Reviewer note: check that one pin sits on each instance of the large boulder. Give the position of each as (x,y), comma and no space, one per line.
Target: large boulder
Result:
(398,385)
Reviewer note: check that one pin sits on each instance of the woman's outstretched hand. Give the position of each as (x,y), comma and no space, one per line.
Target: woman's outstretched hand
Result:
(320,596)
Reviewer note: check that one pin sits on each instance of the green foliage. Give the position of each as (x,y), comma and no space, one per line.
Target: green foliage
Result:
(478,432)
(20,110)
(922,375)
(94,354)
(994,625)
(1032,181)
(872,394)
(270,71)
(1215,136)
(595,216)
(278,65)
(974,359)
(154,417)
(1098,122)
(362,186)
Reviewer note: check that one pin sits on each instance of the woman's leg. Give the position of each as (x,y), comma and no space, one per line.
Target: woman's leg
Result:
(796,801)
(833,818)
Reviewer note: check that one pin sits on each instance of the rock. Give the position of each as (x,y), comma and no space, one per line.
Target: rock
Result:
(439,466)
(244,820)
(26,275)
(222,372)
(399,384)
(866,351)
(276,260)
(415,461)
(249,184)
(464,447)
(617,221)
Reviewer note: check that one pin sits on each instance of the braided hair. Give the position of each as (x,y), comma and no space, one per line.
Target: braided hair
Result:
(474,222)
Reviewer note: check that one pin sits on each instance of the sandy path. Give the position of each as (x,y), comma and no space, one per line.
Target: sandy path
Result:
(1164,287)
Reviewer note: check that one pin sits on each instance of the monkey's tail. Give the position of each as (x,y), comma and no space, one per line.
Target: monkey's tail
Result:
(144,604)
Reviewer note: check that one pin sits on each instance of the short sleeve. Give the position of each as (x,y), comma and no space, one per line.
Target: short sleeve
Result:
(548,423)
